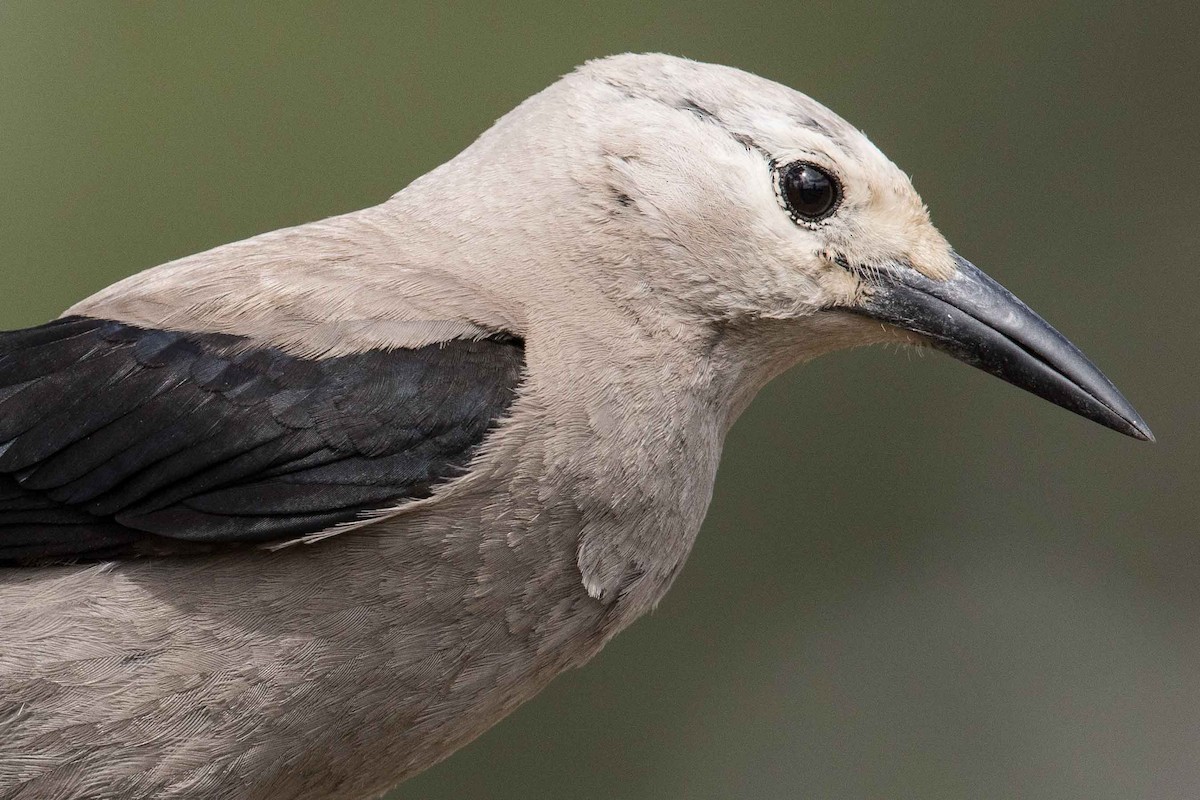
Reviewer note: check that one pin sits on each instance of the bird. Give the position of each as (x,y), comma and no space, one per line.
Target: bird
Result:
(301,515)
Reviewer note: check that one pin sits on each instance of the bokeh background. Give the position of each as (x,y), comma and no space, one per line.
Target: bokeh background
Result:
(915,581)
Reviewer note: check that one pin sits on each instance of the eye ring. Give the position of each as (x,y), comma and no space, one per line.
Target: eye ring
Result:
(809,193)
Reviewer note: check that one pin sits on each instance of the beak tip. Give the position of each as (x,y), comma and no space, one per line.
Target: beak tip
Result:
(1122,417)
(1141,430)
(1119,413)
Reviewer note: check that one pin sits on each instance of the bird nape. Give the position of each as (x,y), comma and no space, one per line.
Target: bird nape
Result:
(301,515)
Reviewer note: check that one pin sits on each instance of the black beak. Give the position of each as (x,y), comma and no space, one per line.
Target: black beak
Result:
(978,321)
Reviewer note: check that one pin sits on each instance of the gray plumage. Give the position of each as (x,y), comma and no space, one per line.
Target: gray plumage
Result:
(626,239)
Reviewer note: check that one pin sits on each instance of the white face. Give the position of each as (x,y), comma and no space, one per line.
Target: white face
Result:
(724,174)
(735,176)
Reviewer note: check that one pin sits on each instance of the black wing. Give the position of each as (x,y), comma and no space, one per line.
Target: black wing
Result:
(117,440)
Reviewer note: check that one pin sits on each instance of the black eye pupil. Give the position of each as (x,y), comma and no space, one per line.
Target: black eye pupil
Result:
(810,192)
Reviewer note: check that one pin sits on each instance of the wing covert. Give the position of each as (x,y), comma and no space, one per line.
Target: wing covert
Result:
(117,440)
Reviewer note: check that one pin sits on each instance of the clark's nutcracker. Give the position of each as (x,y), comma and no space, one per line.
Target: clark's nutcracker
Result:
(299,516)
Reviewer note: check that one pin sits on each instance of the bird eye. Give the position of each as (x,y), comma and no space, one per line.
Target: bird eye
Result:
(810,193)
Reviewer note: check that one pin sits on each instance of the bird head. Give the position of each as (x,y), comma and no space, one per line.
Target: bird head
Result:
(704,201)
(736,199)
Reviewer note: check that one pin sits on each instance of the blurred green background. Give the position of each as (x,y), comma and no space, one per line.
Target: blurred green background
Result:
(915,581)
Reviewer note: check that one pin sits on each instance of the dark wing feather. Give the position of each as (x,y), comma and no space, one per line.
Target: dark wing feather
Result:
(117,440)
